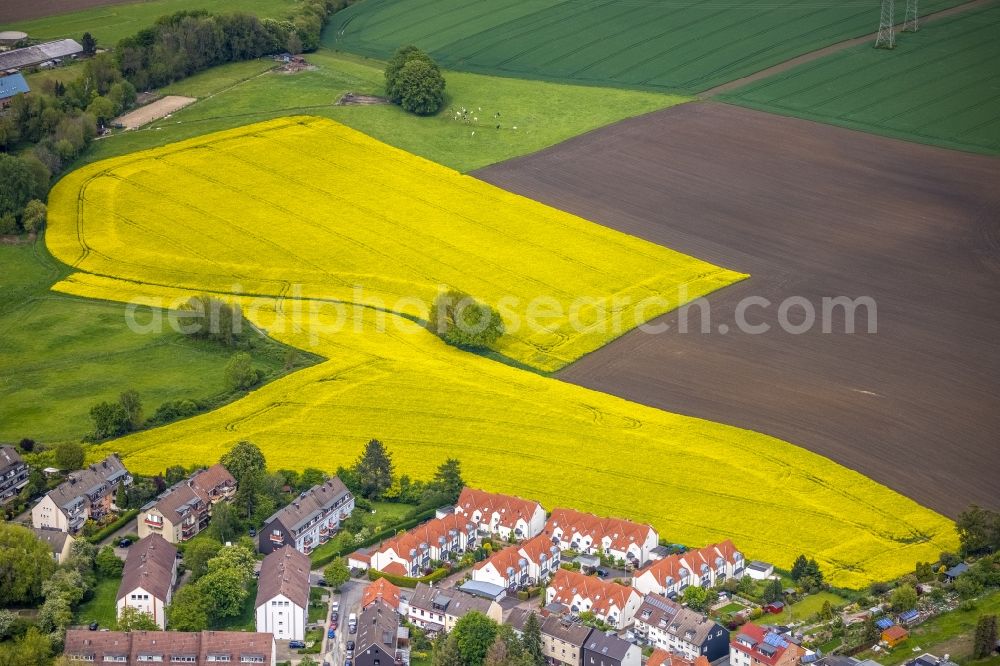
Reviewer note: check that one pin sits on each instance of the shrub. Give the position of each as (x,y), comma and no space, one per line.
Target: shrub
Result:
(421,88)
(462,321)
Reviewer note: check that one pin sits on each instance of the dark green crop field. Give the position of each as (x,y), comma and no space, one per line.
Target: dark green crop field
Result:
(668,45)
(940,85)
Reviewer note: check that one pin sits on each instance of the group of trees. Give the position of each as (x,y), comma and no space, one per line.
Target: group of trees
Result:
(807,574)
(476,640)
(373,477)
(414,81)
(462,321)
(24,182)
(979,531)
(218,587)
(117,418)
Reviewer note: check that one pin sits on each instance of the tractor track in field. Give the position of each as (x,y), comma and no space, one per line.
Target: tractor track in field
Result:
(833,48)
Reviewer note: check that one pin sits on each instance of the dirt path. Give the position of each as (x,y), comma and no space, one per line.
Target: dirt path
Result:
(809,211)
(833,48)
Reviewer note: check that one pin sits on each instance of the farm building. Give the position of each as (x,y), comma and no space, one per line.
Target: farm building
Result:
(956,571)
(30,56)
(12,85)
(894,635)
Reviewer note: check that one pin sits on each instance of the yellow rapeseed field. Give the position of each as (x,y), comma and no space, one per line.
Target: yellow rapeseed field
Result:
(297,206)
(537,437)
(252,212)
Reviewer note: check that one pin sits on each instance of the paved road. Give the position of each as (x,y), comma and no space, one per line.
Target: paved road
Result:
(350,602)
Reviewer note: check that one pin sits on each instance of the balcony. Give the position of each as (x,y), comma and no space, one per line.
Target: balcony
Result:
(155,524)
(277,539)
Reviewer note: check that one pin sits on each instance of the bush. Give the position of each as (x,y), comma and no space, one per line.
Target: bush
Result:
(403,55)
(462,321)
(106,531)
(406,581)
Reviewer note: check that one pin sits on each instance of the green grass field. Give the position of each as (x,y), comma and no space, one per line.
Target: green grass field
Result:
(61,355)
(648,44)
(101,607)
(939,86)
(543,113)
(805,609)
(111,23)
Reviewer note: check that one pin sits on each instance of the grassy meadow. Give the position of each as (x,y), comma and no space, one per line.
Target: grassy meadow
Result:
(110,23)
(543,113)
(61,355)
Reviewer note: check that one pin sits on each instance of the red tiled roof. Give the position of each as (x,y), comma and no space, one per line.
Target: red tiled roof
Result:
(621,532)
(664,658)
(602,594)
(381,590)
(509,508)
(895,633)
(428,533)
(691,560)
(211,478)
(510,557)
(757,633)
(96,646)
(395,569)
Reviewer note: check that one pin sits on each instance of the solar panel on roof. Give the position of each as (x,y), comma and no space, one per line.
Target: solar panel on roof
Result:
(883,623)
(909,615)
(774,639)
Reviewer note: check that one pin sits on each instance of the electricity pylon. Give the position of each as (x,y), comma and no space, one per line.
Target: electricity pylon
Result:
(910,22)
(886,38)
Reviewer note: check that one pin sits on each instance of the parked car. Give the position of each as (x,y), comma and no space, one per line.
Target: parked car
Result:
(332,633)
(296,645)
(348,662)
(124,543)
(334,615)
(350,648)
(335,606)
(252,532)
(603,573)
(333,623)
(93,626)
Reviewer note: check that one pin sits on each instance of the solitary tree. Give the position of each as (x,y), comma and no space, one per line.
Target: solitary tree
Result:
(986,637)
(69,456)
(33,218)
(421,88)
(532,641)
(240,373)
(903,598)
(448,480)
(131,618)
(89,44)
(244,461)
(188,611)
(374,470)
(474,633)
(462,321)
(336,574)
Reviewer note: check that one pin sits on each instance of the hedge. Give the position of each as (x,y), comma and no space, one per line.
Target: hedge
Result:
(108,530)
(326,558)
(405,581)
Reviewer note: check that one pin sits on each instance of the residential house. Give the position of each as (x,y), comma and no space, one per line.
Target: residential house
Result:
(411,553)
(139,648)
(13,470)
(60,543)
(663,658)
(667,625)
(384,591)
(562,638)
(754,645)
(436,609)
(310,520)
(586,533)
(149,577)
(610,602)
(895,635)
(185,508)
(705,567)
(282,605)
(607,649)
(927,659)
(508,517)
(529,563)
(87,494)
(378,642)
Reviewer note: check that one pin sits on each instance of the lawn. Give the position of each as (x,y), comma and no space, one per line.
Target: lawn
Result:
(246,620)
(317,607)
(542,113)
(428,401)
(804,609)
(949,633)
(298,208)
(110,23)
(102,607)
(938,86)
(61,355)
(649,44)
(386,514)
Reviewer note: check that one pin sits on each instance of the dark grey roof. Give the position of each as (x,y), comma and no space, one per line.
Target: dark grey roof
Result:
(607,644)
(56,539)
(378,625)
(563,629)
(9,458)
(455,602)
(957,570)
(664,614)
(33,55)
(836,660)
(101,478)
(757,565)
(310,504)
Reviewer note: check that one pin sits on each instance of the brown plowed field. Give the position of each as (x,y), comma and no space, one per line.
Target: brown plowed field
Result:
(814,211)
(25,10)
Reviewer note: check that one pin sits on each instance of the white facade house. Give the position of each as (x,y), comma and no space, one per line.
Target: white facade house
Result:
(531,562)
(610,602)
(148,578)
(282,605)
(506,516)
(760,570)
(410,553)
(86,494)
(705,567)
(586,533)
